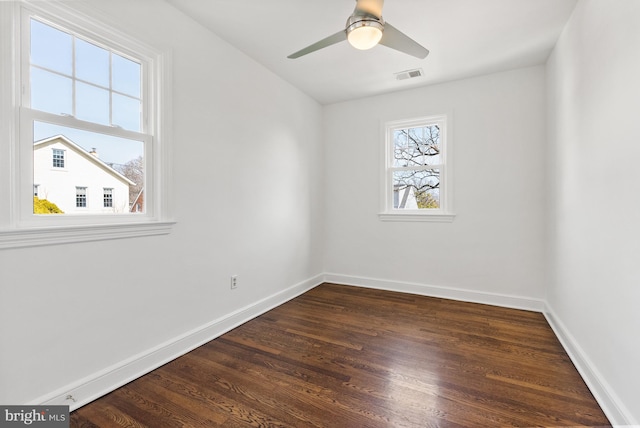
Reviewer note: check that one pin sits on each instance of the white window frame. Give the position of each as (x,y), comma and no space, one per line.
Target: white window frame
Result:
(19,227)
(387,210)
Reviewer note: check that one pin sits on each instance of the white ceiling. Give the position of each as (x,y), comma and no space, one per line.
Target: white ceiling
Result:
(465,37)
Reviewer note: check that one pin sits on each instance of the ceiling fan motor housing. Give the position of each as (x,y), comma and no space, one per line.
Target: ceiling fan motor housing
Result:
(364,31)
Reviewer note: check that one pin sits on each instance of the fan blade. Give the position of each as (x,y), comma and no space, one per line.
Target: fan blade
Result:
(373,7)
(328,41)
(396,39)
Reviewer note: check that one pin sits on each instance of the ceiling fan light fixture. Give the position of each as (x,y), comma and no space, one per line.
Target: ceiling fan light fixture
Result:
(364,30)
(364,34)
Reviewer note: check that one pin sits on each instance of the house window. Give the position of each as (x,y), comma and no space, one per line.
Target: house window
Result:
(107,197)
(78,88)
(58,158)
(416,184)
(81,197)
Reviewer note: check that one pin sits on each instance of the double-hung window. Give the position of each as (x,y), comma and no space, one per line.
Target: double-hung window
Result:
(58,158)
(88,105)
(81,197)
(107,196)
(417,170)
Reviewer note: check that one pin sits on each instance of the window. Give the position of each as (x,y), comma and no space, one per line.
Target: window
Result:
(75,88)
(107,197)
(417,170)
(58,158)
(89,96)
(81,197)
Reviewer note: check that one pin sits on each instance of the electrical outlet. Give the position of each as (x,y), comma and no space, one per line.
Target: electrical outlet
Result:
(234,282)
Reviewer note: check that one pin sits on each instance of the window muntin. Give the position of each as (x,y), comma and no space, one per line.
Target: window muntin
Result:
(416,169)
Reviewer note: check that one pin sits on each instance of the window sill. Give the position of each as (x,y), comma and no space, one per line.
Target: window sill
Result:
(35,237)
(417,216)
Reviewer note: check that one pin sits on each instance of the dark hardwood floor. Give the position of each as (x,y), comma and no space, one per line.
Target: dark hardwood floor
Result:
(342,356)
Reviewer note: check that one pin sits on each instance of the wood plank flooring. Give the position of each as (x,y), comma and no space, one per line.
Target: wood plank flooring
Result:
(341,356)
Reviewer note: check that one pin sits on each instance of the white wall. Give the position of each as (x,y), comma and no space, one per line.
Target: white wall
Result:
(594,140)
(246,168)
(495,245)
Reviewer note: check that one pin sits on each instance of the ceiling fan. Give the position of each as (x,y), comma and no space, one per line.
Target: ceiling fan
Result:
(365,28)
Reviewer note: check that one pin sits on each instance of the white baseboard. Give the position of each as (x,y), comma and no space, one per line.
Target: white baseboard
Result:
(495,299)
(98,384)
(611,405)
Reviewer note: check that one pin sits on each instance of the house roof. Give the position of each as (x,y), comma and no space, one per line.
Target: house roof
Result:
(73,146)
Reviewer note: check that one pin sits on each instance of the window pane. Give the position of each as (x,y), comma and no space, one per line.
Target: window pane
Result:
(417,146)
(416,189)
(92,103)
(126,112)
(50,48)
(399,147)
(92,63)
(50,92)
(126,76)
(92,161)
